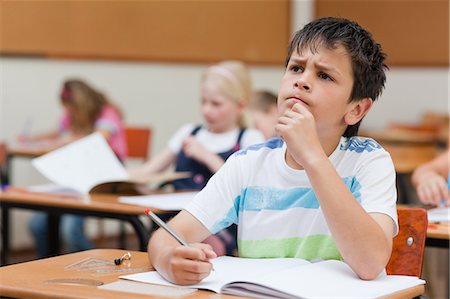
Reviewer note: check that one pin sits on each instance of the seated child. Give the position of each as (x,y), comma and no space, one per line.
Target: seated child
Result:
(318,192)
(264,113)
(86,110)
(203,149)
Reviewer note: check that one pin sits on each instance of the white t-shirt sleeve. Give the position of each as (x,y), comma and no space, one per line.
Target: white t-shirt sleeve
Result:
(176,141)
(216,205)
(377,178)
(250,137)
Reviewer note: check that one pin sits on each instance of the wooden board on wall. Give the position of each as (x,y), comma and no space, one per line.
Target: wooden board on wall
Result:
(412,33)
(159,30)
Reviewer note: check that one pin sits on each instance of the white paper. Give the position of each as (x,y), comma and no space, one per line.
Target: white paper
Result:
(82,164)
(166,202)
(334,279)
(227,269)
(441,214)
(289,278)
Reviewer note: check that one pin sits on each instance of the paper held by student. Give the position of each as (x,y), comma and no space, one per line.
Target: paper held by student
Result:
(88,163)
(288,278)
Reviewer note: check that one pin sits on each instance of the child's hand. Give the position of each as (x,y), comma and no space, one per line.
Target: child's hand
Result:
(190,265)
(432,189)
(297,127)
(194,149)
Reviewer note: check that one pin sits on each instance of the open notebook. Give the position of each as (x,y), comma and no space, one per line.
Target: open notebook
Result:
(88,164)
(288,278)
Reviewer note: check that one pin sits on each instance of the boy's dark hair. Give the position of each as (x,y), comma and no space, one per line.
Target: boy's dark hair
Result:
(365,53)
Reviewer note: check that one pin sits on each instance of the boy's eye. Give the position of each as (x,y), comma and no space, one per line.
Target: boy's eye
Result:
(296,69)
(325,77)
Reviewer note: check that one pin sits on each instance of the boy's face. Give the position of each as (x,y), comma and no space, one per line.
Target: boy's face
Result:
(322,82)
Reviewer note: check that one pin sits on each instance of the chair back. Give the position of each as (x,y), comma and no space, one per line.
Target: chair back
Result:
(3,164)
(409,244)
(138,142)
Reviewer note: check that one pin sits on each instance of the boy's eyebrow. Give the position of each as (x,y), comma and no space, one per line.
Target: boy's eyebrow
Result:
(321,66)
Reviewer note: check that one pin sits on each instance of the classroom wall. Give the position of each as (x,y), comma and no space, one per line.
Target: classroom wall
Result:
(165,96)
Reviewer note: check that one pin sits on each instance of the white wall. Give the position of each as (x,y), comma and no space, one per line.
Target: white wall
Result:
(165,96)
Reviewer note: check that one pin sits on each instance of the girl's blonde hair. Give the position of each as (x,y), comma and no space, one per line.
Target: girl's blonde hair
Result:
(87,104)
(232,79)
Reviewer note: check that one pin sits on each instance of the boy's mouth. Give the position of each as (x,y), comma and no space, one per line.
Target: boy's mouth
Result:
(297,100)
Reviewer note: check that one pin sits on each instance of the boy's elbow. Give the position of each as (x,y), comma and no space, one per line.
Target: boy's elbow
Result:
(369,273)
(370,270)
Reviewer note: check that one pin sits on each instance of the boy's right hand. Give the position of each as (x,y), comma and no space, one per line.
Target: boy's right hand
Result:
(189,265)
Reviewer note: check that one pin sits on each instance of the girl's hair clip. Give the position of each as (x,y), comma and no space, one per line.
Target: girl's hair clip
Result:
(65,94)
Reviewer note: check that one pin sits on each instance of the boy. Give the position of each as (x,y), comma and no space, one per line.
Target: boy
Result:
(316,192)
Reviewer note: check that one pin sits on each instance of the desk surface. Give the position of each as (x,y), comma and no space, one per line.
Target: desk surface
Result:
(29,150)
(438,230)
(397,135)
(98,202)
(30,280)
(22,281)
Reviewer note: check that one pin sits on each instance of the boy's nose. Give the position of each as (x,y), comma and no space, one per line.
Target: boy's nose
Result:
(302,84)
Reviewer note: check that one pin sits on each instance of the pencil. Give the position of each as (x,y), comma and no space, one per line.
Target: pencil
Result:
(164,226)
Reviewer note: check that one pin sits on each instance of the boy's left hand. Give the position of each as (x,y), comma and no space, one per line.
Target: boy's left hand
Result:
(297,127)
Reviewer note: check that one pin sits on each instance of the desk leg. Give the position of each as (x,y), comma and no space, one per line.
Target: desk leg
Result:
(5,236)
(6,173)
(141,232)
(402,184)
(53,234)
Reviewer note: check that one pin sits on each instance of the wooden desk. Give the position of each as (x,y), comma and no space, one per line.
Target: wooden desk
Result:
(438,235)
(24,151)
(400,135)
(21,281)
(407,157)
(97,205)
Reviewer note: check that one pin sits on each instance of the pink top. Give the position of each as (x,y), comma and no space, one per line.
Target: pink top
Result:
(110,121)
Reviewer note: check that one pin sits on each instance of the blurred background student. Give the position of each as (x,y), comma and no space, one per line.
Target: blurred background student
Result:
(203,149)
(86,110)
(432,181)
(263,112)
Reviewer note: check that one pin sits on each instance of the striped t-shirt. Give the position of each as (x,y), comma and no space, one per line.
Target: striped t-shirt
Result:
(275,208)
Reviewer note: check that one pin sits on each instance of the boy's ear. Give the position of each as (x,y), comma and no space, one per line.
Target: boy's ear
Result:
(358,110)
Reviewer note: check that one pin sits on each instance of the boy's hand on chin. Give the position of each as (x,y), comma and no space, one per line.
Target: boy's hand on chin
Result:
(297,127)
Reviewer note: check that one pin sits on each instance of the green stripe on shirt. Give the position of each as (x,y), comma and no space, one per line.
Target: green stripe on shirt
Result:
(310,248)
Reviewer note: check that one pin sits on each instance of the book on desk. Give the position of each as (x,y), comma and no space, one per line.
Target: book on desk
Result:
(287,278)
(89,165)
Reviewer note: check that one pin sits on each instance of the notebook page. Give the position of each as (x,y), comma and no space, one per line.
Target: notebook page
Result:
(331,279)
(227,269)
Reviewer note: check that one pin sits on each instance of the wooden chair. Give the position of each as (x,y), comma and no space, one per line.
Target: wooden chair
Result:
(138,142)
(409,244)
(3,165)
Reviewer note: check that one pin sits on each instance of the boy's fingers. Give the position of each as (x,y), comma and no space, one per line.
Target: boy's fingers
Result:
(301,108)
(207,249)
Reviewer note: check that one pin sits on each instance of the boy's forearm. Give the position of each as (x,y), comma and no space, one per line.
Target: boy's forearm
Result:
(361,240)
